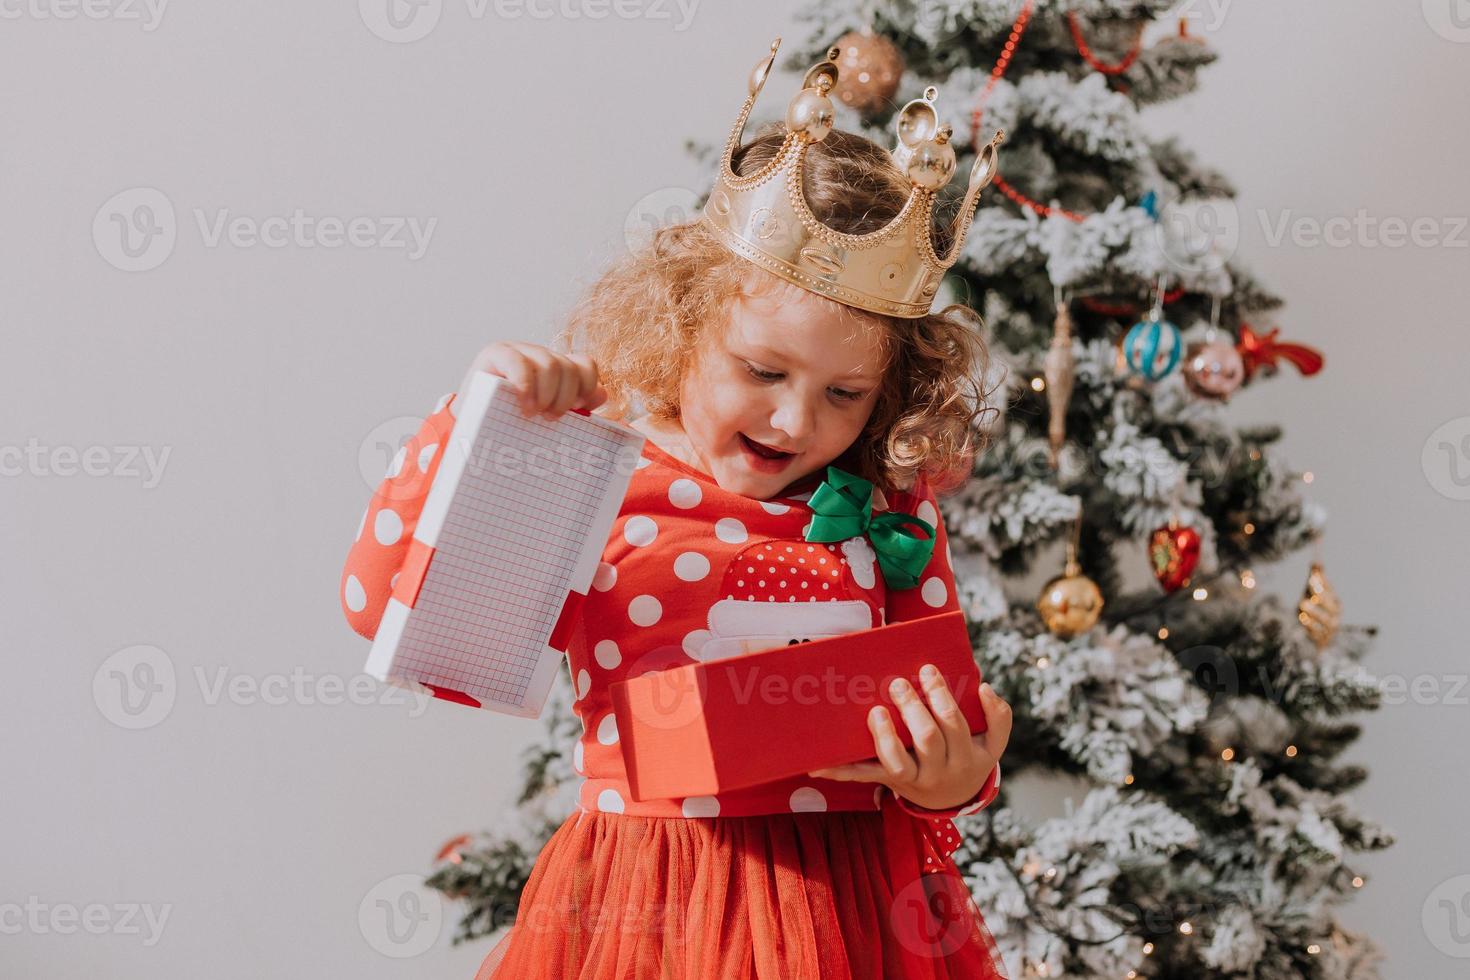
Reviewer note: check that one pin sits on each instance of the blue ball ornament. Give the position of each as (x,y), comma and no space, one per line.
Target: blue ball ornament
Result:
(1153,348)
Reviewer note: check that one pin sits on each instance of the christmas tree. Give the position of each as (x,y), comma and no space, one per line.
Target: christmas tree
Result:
(1197,722)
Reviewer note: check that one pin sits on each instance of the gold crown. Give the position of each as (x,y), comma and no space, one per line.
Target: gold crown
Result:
(764,216)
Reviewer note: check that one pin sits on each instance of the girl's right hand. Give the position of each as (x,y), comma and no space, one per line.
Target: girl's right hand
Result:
(550,383)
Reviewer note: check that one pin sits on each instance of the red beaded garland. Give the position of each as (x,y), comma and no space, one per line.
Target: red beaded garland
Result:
(1092,60)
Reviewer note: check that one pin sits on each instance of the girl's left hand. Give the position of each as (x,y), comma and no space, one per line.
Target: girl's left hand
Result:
(948,765)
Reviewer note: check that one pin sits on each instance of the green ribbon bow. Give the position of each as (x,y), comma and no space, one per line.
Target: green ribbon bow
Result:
(842,508)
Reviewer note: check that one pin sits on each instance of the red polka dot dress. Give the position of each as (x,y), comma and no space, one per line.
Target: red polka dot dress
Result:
(796,878)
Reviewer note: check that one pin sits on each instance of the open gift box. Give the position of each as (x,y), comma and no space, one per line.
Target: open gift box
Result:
(703,728)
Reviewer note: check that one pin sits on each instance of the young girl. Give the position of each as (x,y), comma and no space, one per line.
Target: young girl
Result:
(777,364)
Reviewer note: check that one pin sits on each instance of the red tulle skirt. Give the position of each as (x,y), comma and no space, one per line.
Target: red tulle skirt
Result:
(799,896)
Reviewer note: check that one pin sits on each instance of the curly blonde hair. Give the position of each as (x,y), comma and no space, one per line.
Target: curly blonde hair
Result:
(644,318)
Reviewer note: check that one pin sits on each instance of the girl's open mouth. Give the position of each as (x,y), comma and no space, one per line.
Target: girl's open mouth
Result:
(763,457)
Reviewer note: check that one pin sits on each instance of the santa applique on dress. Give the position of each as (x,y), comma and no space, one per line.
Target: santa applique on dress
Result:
(791,591)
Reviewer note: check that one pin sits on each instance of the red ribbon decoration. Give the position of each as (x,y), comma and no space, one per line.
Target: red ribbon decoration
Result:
(1125,309)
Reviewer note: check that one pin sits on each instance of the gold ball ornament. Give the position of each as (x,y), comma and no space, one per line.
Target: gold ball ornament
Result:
(870,67)
(1070,603)
(1320,611)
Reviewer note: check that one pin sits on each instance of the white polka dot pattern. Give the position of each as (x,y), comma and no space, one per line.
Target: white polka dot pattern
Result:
(694,642)
(701,806)
(640,531)
(355,595)
(645,610)
(691,566)
(387,527)
(375,558)
(808,799)
(730,530)
(607,654)
(685,494)
(395,467)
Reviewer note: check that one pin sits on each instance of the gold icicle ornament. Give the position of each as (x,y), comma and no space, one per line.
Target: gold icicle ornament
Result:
(1320,611)
(1059,369)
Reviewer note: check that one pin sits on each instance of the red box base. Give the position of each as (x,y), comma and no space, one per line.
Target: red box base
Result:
(700,729)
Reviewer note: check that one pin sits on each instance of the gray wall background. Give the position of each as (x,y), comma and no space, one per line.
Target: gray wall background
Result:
(267,818)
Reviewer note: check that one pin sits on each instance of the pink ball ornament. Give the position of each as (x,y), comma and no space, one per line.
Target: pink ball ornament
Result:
(1214,369)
